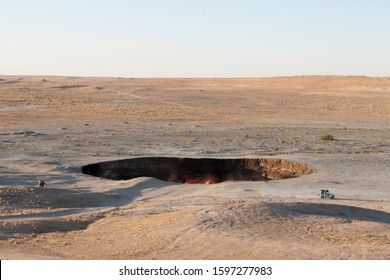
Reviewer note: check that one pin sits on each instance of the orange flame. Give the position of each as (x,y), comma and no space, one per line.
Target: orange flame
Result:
(208,182)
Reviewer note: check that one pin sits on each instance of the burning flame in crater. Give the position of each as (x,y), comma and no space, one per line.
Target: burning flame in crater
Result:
(199,181)
(208,182)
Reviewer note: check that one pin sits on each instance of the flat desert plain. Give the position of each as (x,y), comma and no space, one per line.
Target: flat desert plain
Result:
(51,126)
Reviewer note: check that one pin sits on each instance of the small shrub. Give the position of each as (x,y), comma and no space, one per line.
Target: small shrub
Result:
(327,137)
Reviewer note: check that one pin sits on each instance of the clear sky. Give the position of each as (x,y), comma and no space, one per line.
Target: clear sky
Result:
(195,38)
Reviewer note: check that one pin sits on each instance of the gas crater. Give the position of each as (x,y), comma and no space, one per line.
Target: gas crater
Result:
(198,170)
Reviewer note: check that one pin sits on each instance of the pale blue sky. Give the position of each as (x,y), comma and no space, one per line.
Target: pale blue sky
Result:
(195,38)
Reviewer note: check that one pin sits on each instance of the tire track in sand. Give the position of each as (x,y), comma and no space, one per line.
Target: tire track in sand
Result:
(151,100)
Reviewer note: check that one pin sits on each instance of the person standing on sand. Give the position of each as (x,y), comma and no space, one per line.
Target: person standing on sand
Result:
(41,183)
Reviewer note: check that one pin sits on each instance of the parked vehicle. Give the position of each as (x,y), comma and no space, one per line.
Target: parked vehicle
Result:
(326,194)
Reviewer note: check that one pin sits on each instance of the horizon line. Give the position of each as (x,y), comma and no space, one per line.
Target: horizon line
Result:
(196,77)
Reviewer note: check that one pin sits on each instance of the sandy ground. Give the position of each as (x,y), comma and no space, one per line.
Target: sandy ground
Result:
(51,126)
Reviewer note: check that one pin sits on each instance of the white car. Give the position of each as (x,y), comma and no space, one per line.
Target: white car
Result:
(326,194)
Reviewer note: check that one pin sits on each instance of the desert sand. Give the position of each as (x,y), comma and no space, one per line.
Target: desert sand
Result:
(51,126)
